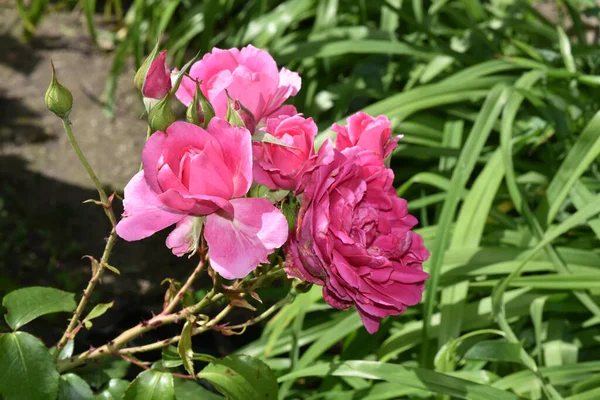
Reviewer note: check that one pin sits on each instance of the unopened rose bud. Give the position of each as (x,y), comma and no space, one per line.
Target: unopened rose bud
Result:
(200,111)
(157,83)
(140,75)
(58,98)
(161,116)
(238,115)
(246,116)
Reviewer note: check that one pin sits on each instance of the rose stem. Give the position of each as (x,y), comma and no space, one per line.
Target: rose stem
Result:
(106,204)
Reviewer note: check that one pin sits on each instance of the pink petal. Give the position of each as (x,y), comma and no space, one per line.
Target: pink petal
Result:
(371,323)
(258,60)
(185,237)
(236,246)
(144,214)
(169,147)
(209,174)
(289,85)
(285,110)
(210,65)
(158,79)
(236,146)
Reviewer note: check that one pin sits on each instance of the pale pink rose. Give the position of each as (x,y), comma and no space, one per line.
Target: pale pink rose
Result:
(191,172)
(353,237)
(158,79)
(366,132)
(249,75)
(277,166)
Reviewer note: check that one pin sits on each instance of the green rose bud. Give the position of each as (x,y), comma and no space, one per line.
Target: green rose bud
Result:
(58,98)
(161,115)
(200,111)
(238,115)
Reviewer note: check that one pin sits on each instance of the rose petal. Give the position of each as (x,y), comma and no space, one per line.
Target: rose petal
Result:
(157,83)
(185,237)
(236,146)
(144,213)
(237,245)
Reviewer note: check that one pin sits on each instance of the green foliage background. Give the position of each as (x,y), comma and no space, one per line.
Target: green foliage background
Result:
(498,106)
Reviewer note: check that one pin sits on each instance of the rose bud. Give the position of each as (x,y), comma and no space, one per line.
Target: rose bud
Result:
(58,98)
(161,115)
(200,111)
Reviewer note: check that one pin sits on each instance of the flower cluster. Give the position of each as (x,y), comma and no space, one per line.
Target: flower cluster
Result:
(352,234)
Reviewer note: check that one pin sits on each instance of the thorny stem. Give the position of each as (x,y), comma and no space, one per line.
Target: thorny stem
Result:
(116,344)
(164,343)
(185,287)
(106,204)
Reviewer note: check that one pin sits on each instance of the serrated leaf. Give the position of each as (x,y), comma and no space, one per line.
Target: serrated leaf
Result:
(65,352)
(28,369)
(72,387)
(186,389)
(184,347)
(151,385)
(98,310)
(25,305)
(241,377)
(114,390)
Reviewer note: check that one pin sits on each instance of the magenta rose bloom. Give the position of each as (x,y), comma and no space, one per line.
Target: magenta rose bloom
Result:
(193,176)
(277,166)
(366,132)
(249,75)
(353,237)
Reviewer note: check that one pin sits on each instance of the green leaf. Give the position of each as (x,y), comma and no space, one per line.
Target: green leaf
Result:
(98,310)
(184,347)
(72,387)
(241,377)
(465,164)
(581,155)
(186,389)
(495,350)
(25,305)
(66,351)
(28,369)
(430,381)
(114,390)
(151,385)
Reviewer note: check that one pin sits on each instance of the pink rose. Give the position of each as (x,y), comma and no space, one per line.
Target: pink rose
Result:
(189,173)
(367,133)
(249,76)
(277,166)
(157,83)
(353,236)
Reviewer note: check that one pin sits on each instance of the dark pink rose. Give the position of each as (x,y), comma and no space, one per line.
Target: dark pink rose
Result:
(353,237)
(157,83)
(194,177)
(366,132)
(249,75)
(277,166)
